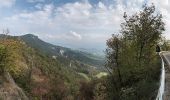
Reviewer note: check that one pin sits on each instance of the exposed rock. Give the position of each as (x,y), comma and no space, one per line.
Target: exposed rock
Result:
(9,90)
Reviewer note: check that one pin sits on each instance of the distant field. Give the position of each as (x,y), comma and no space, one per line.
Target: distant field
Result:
(101,74)
(85,76)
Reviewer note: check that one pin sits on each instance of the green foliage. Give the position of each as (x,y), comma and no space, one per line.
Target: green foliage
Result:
(42,76)
(3,57)
(30,62)
(165,44)
(131,61)
(131,57)
(86,91)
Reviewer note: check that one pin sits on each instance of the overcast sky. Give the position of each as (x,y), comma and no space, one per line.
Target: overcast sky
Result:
(73,23)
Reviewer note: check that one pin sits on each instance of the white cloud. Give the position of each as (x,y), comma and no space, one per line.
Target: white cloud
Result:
(70,36)
(75,35)
(6,3)
(39,6)
(38,17)
(95,22)
(33,1)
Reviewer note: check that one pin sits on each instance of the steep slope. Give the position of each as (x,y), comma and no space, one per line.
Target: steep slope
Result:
(28,69)
(9,90)
(58,51)
(40,75)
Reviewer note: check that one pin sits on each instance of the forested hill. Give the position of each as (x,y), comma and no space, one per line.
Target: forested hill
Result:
(59,51)
(32,65)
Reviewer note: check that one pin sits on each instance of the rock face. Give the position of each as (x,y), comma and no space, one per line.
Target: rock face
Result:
(9,90)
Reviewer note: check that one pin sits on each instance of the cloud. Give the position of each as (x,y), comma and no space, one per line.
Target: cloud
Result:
(91,23)
(33,1)
(6,3)
(71,36)
(37,17)
(75,35)
(94,22)
(39,6)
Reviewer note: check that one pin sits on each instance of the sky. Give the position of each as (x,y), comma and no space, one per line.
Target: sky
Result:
(73,23)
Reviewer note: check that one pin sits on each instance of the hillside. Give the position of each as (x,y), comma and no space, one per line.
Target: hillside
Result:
(9,89)
(41,75)
(59,51)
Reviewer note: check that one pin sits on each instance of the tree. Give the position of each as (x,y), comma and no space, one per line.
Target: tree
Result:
(3,57)
(165,44)
(86,91)
(144,30)
(113,55)
(131,55)
(6,33)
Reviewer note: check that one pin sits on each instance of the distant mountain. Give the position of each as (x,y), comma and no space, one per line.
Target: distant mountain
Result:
(59,51)
(96,52)
(31,74)
(39,69)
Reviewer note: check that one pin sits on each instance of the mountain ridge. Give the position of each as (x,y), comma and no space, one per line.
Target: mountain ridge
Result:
(55,51)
